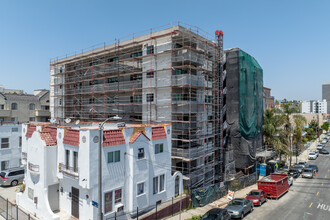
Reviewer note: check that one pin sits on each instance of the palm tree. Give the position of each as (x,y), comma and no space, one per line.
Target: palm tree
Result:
(288,110)
(299,122)
(272,130)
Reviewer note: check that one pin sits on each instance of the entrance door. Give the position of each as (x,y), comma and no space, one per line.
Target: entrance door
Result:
(75,202)
(177,185)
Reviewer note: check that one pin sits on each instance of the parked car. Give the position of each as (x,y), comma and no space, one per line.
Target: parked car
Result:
(216,214)
(293,173)
(308,173)
(237,208)
(12,176)
(258,197)
(303,163)
(312,156)
(323,151)
(314,167)
(324,141)
(316,152)
(299,168)
(320,146)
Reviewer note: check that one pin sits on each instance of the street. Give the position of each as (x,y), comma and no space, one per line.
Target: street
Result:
(307,199)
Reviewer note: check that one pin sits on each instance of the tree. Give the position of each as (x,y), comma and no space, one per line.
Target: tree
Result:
(325,126)
(272,130)
(297,139)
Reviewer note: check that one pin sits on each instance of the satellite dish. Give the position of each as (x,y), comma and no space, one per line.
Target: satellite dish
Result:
(52,120)
(77,122)
(67,120)
(116,117)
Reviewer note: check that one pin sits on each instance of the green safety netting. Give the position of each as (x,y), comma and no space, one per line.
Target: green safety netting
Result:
(251,95)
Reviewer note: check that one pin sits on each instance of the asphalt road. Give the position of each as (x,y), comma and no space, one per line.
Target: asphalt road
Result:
(307,199)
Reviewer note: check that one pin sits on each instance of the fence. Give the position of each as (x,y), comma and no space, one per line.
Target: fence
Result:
(203,197)
(157,211)
(10,211)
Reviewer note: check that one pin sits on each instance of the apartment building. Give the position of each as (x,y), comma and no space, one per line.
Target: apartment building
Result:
(11,145)
(269,101)
(314,107)
(20,107)
(136,169)
(167,75)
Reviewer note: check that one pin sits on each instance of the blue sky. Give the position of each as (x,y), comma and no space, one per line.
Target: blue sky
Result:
(290,39)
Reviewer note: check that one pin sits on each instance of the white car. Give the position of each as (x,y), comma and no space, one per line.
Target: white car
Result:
(316,152)
(324,141)
(312,156)
(319,146)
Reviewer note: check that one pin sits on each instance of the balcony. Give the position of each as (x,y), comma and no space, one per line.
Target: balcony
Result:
(5,113)
(69,171)
(33,168)
(42,113)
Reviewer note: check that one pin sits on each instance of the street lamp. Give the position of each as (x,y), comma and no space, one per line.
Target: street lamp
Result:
(99,211)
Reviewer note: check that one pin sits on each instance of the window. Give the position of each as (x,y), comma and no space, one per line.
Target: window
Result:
(4,143)
(159,148)
(113,80)
(155,185)
(113,59)
(117,196)
(136,99)
(140,188)
(75,161)
(2,107)
(32,119)
(20,142)
(150,97)
(137,54)
(45,107)
(108,202)
(94,82)
(4,165)
(161,183)
(32,106)
(140,153)
(13,119)
(14,129)
(178,72)
(136,77)
(67,159)
(114,156)
(14,106)
(150,75)
(60,102)
(150,49)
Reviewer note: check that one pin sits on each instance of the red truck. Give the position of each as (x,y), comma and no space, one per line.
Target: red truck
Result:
(275,185)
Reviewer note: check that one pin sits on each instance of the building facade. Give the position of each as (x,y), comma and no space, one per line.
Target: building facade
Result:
(165,76)
(20,107)
(11,145)
(269,101)
(136,169)
(326,95)
(314,107)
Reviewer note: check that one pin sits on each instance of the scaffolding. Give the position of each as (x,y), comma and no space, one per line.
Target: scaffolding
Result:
(171,74)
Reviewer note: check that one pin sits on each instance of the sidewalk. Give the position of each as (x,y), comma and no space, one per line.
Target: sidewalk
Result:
(221,203)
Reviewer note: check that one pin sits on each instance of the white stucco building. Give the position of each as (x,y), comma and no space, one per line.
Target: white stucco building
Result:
(314,106)
(62,165)
(10,145)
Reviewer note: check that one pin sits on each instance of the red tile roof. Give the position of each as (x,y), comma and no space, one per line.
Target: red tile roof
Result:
(136,135)
(71,137)
(47,137)
(52,131)
(158,133)
(30,130)
(113,137)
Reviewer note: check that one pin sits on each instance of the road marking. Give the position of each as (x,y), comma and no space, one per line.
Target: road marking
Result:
(310,205)
(317,193)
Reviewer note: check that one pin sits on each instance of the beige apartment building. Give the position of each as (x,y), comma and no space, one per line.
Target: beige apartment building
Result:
(17,106)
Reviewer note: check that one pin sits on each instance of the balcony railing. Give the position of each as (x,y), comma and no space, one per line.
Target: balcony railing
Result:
(32,167)
(67,170)
(24,155)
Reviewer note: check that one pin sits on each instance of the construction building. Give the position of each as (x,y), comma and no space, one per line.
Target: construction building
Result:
(244,97)
(326,95)
(168,75)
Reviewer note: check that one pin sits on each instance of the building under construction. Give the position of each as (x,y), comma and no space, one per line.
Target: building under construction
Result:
(167,75)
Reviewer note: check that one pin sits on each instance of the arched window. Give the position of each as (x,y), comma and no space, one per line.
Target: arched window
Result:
(32,106)
(14,106)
